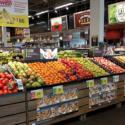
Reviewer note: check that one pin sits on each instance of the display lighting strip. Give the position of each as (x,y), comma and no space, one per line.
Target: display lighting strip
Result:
(42,12)
(65,5)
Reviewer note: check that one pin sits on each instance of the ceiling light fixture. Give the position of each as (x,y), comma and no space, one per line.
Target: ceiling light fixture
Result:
(65,5)
(67,8)
(38,16)
(31,24)
(42,12)
(32,17)
(29,16)
(40,22)
(55,11)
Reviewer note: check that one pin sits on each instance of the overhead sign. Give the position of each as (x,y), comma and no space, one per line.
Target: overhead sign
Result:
(8,36)
(116,13)
(27,34)
(9,44)
(82,19)
(59,23)
(68,36)
(14,13)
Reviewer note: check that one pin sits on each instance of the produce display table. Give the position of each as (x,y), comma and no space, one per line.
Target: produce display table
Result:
(83,100)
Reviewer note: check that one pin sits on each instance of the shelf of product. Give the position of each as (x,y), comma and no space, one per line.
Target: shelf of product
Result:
(7,84)
(93,68)
(29,78)
(7,57)
(120,58)
(116,61)
(109,65)
(69,54)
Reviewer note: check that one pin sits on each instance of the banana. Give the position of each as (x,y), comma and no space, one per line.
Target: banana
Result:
(10,17)
(4,16)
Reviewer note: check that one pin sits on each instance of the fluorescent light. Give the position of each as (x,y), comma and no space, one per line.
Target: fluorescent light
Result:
(42,12)
(29,16)
(32,17)
(40,22)
(65,5)
(31,24)
(55,11)
(67,8)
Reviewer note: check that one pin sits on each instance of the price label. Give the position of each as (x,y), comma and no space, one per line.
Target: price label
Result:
(57,90)
(20,84)
(36,94)
(116,78)
(17,57)
(104,81)
(90,83)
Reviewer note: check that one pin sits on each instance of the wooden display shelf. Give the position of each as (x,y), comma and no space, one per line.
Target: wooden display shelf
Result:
(83,100)
(12,109)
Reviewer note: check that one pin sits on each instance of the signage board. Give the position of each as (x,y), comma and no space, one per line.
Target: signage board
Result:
(18,44)
(17,50)
(116,12)
(94,41)
(98,52)
(8,36)
(14,13)
(69,36)
(59,23)
(27,34)
(82,19)
(9,44)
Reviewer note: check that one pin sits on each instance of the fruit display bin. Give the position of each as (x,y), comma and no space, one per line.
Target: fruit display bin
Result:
(83,100)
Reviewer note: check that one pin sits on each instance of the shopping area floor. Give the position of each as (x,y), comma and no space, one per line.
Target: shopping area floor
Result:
(106,116)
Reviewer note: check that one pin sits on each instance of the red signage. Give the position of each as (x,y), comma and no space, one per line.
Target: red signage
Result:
(68,36)
(82,19)
(59,23)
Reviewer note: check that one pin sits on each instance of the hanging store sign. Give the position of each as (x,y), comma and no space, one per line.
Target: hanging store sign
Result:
(82,19)
(59,23)
(8,36)
(116,13)
(27,34)
(14,13)
(69,36)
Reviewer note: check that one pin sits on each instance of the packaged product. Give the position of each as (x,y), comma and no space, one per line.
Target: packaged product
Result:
(90,101)
(39,102)
(99,88)
(39,116)
(91,90)
(74,106)
(61,97)
(113,86)
(67,95)
(104,97)
(73,93)
(54,99)
(108,96)
(109,86)
(95,89)
(95,100)
(104,88)
(62,108)
(54,111)
(99,98)
(112,95)
(68,109)
(47,100)
(46,113)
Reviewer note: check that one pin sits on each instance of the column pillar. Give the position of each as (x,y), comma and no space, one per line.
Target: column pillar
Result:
(4,36)
(97,19)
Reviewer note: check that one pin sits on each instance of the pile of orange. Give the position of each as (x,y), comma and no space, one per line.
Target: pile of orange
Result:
(49,72)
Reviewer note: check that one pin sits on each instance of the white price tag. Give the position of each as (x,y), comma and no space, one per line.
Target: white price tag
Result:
(17,58)
(116,78)
(20,84)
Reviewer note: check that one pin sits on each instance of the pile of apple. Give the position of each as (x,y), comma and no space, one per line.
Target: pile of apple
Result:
(80,70)
(29,78)
(7,85)
(93,68)
(109,65)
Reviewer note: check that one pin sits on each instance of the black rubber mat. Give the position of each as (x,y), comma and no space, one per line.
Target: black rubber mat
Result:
(112,117)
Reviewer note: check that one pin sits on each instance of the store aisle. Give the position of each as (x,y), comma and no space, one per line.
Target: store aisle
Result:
(108,116)
(112,117)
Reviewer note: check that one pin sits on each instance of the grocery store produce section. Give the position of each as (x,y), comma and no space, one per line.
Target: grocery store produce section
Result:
(55,89)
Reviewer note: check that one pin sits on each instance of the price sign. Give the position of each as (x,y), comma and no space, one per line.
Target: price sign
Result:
(90,83)
(104,81)
(57,90)
(20,84)
(36,94)
(116,78)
